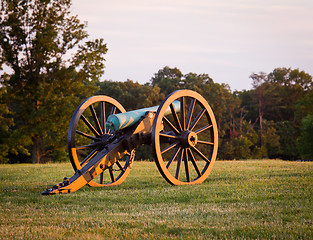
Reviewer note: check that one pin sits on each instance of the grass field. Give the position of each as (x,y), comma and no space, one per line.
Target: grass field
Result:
(262,199)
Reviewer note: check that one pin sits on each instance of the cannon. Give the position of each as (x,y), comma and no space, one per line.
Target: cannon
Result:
(103,137)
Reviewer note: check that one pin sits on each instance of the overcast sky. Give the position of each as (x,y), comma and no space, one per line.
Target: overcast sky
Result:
(227,39)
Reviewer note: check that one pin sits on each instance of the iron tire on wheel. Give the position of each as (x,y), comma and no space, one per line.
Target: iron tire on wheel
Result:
(185,141)
(91,116)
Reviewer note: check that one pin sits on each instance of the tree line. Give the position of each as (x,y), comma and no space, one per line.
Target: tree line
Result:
(272,120)
(48,65)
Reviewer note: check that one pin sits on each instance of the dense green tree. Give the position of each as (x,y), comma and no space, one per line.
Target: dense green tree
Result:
(304,106)
(248,105)
(271,144)
(288,133)
(290,86)
(132,95)
(197,82)
(242,147)
(37,40)
(282,98)
(305,141)
(291,78)
(168,80)
(276,95)
(5,124)
(262,98)
(290,102)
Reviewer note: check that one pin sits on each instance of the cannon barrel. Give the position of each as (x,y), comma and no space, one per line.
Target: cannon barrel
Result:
(122,120)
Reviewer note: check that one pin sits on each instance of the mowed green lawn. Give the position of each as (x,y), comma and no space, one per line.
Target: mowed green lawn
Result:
(261,199)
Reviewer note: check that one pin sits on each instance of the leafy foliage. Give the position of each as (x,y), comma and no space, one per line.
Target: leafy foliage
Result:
(132,95)
(46,84)
(305,141)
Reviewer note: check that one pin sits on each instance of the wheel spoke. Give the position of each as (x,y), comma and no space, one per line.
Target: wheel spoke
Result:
(88,146)
(205,142)
(179,163)
(89,125)
(187,166)
(201,154)
(101,178)
(90,155)
(170,125)
(120,166)
(103,117)
(169,147)
(167,137)
(174,155)
(193,160)
(95,118)
(113,110)
(87,135)
(182,112)
(203,128)
(197,119)
(175,117)
(111,174)
(190,112)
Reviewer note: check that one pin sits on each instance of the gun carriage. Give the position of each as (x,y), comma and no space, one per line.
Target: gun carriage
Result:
(103,137)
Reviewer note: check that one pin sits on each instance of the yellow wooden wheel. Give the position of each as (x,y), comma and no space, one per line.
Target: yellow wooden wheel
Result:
(185,142)
(88,135)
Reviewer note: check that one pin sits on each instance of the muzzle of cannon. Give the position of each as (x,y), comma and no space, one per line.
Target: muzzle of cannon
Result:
(102,139)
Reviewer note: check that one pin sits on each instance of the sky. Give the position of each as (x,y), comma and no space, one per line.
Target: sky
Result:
(226,39)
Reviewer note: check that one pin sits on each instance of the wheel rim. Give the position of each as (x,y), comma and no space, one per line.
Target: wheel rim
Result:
(185,144)
(88,134)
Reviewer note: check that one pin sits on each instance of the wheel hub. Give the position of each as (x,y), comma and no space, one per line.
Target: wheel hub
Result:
(188,139)
(107,138)
(103,140)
